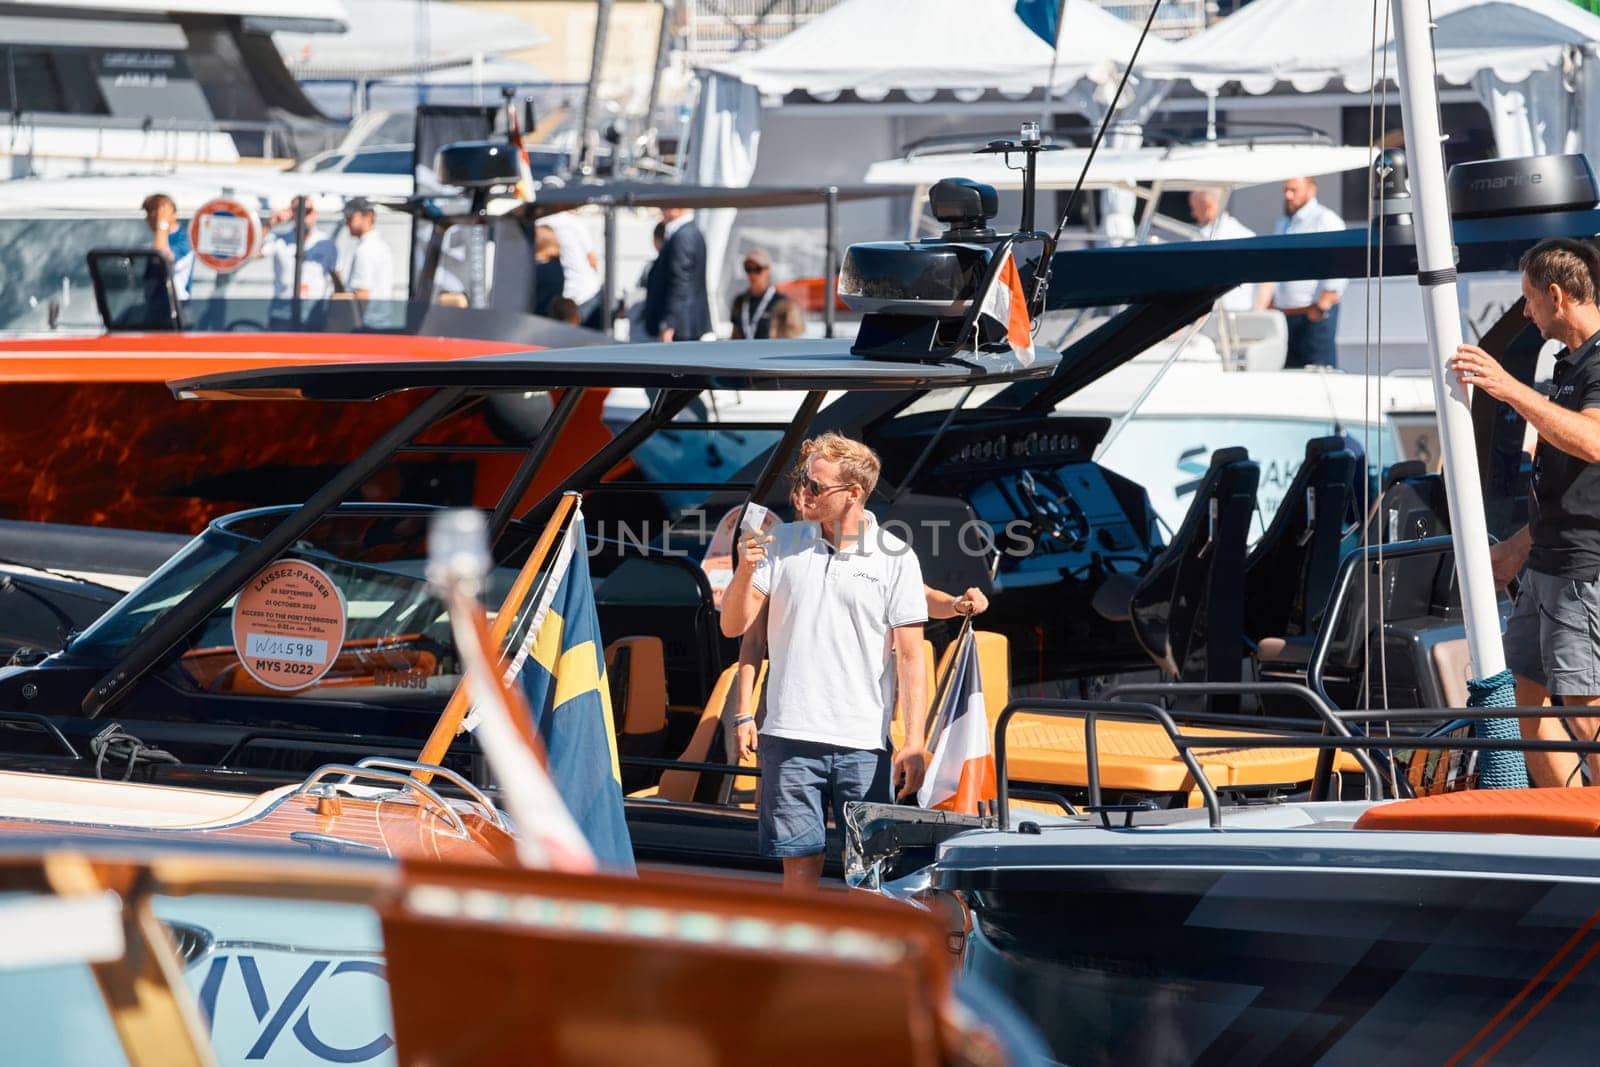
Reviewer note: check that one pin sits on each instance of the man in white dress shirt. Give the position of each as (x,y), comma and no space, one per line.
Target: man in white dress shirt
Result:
(1312,307)
(1217,225)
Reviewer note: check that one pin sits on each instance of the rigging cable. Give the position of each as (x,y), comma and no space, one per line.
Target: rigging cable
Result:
(1043,283)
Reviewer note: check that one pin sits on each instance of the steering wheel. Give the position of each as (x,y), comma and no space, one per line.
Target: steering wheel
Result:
(1053,514)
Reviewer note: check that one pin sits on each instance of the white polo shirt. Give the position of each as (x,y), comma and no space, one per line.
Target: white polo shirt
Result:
(830,620)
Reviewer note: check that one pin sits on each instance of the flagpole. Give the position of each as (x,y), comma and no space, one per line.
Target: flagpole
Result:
(455,712)
(1491,685)
(939,685)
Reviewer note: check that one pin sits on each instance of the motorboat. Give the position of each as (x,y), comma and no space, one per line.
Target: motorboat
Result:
(1456,925)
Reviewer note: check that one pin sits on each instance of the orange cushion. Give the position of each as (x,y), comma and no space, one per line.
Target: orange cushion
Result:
(1568,812)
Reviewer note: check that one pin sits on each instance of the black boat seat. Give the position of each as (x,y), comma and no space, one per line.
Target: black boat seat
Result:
(667,596)
(1412,506)
(1291,570)
(1113,598)
(1188,611)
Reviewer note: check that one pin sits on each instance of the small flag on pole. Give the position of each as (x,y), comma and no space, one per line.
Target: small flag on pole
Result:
(1005,305)
(524,187)
(961,769)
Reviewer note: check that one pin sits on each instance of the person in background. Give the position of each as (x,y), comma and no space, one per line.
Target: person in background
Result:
(1217,225)
(369,273)
(320,257)
(788,321)
(169,238)
(549,280)
(1312,307)
(580,266)
(1552,640)
(845,609)
(675,305)
(754,309)
(564,310)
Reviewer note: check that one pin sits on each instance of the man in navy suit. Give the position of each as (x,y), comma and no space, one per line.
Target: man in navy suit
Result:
(675,304)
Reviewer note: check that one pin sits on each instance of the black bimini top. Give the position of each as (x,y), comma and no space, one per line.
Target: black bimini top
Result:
(765,365)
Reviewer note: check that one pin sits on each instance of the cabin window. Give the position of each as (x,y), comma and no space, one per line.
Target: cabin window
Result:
(54,80)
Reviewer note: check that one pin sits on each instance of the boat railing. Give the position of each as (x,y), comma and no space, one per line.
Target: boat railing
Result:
(1332,721)
(1093,711)
(349,773)
(277,140)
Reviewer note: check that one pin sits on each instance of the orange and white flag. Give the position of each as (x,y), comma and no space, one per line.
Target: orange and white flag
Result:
(1007,304)
(961,769)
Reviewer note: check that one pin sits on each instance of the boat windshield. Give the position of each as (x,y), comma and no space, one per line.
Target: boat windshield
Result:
(396,632)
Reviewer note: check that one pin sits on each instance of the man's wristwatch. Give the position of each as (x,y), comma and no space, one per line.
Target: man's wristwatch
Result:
(741,720)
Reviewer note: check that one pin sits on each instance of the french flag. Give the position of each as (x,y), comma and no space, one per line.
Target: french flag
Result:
(1006,305)
(961,768)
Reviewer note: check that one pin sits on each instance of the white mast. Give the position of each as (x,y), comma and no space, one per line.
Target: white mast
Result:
(1441,307)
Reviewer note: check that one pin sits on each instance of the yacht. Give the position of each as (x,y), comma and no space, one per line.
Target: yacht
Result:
(124,85)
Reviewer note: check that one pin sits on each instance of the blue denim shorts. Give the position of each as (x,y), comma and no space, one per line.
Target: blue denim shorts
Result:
(803,780)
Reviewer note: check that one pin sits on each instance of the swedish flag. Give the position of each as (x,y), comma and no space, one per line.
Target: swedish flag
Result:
(562,670)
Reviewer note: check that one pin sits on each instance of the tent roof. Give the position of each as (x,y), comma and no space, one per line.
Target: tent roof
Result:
(875,47)
(1190,166)
(1309,43)
(383,39)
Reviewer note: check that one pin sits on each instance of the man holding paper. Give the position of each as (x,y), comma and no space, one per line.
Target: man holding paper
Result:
(845,610)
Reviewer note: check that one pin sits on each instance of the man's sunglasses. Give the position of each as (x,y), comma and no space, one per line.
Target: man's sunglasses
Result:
(811,486)
(754,268)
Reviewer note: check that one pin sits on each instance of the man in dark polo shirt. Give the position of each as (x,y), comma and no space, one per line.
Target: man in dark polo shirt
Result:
(1552,640)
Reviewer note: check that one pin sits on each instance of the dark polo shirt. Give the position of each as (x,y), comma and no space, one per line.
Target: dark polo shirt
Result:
(1565,526)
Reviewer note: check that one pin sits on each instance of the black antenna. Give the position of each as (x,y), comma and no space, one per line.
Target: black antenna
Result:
(1043,282)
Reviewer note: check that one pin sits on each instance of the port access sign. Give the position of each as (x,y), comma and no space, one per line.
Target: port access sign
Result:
(225,234)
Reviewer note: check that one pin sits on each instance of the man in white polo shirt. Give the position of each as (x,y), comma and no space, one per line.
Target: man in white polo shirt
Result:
(845,610)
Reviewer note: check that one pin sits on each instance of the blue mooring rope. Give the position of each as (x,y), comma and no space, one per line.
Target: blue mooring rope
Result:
(1497,769)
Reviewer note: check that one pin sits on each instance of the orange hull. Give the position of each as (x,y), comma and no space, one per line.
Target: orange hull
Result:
(90,434)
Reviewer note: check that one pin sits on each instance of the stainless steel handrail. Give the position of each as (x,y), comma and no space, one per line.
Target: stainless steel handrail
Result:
(1091,711)
(456,779)
(350,773)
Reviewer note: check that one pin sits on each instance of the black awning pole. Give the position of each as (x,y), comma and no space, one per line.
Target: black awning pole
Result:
(831,266)
(667,404)
(173,626)
(299,253)
(529,468)
(609,286)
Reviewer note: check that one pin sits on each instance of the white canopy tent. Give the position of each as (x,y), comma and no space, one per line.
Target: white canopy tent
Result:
(921,47)
(391,38)
(1530,62)
(859,82)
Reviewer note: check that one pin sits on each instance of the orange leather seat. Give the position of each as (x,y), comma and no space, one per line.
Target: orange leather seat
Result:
(640,684)
(681,785)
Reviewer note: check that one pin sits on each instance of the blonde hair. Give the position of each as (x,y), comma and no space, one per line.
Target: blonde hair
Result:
(858,464)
